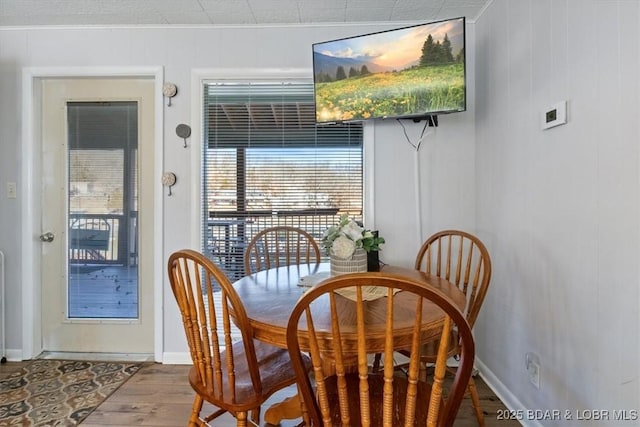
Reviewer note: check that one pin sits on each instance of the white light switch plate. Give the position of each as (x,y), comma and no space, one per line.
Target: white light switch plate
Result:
(555,115)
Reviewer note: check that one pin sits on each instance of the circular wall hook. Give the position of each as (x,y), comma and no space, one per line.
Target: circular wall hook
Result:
(169,180)
(169,90)
(184,132)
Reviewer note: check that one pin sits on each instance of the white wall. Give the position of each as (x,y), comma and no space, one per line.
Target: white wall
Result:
(446,156)
(560,209)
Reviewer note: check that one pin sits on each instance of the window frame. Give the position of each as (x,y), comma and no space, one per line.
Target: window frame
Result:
(199,78)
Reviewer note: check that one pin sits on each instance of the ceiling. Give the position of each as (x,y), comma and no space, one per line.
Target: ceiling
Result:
(20,13)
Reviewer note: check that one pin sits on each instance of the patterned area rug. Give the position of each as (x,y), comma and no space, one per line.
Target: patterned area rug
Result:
(59,392)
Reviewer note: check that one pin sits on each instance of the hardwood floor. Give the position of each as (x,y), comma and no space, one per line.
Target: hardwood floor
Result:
(160,395)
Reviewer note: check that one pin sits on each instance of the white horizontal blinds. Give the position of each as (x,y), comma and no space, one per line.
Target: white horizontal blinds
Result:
(267,163)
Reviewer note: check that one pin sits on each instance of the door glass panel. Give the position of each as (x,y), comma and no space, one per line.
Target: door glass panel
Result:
(102,210)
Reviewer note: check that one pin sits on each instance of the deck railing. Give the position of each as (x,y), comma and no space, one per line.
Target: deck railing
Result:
(102,239)
(229,232)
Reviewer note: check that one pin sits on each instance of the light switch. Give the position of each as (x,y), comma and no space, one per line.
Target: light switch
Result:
(12,191)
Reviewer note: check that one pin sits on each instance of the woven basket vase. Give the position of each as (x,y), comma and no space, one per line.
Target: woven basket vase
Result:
(357,263)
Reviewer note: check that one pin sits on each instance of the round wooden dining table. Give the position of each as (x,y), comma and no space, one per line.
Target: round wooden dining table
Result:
(269,296)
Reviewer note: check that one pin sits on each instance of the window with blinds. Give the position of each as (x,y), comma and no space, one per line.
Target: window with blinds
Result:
(266,163)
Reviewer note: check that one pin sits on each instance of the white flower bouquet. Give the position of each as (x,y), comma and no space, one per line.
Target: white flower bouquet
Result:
(342,240)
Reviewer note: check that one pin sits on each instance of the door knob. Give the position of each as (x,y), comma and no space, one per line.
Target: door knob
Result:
(47,237)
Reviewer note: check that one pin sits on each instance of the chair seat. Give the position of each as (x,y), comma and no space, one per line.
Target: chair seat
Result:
(376,384)
(276,373)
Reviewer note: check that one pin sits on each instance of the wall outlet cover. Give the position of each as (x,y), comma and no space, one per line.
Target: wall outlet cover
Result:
(532,364)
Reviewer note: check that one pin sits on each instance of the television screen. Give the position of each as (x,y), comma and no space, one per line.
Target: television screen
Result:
(413,71)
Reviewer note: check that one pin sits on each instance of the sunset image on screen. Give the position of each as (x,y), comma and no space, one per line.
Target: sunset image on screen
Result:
(404,72)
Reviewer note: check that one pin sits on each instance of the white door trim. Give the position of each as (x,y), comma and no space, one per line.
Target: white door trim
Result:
(31,209)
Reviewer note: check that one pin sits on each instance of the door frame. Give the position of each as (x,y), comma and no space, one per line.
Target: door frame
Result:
(31,208)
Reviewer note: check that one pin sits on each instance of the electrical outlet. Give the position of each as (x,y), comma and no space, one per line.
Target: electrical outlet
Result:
(534,374)
(532,363)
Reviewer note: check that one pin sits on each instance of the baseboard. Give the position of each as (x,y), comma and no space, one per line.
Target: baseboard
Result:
(90,356)
(183,358)
(168,358)
(13,355)
(504,394)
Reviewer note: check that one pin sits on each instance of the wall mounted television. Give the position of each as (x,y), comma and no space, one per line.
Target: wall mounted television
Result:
(410,72)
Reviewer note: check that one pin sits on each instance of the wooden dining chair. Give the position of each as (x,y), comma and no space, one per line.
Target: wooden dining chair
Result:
(231,370)
(280,246)
(462,259)
(344,396)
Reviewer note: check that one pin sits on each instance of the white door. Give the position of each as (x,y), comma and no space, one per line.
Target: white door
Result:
(97,199)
